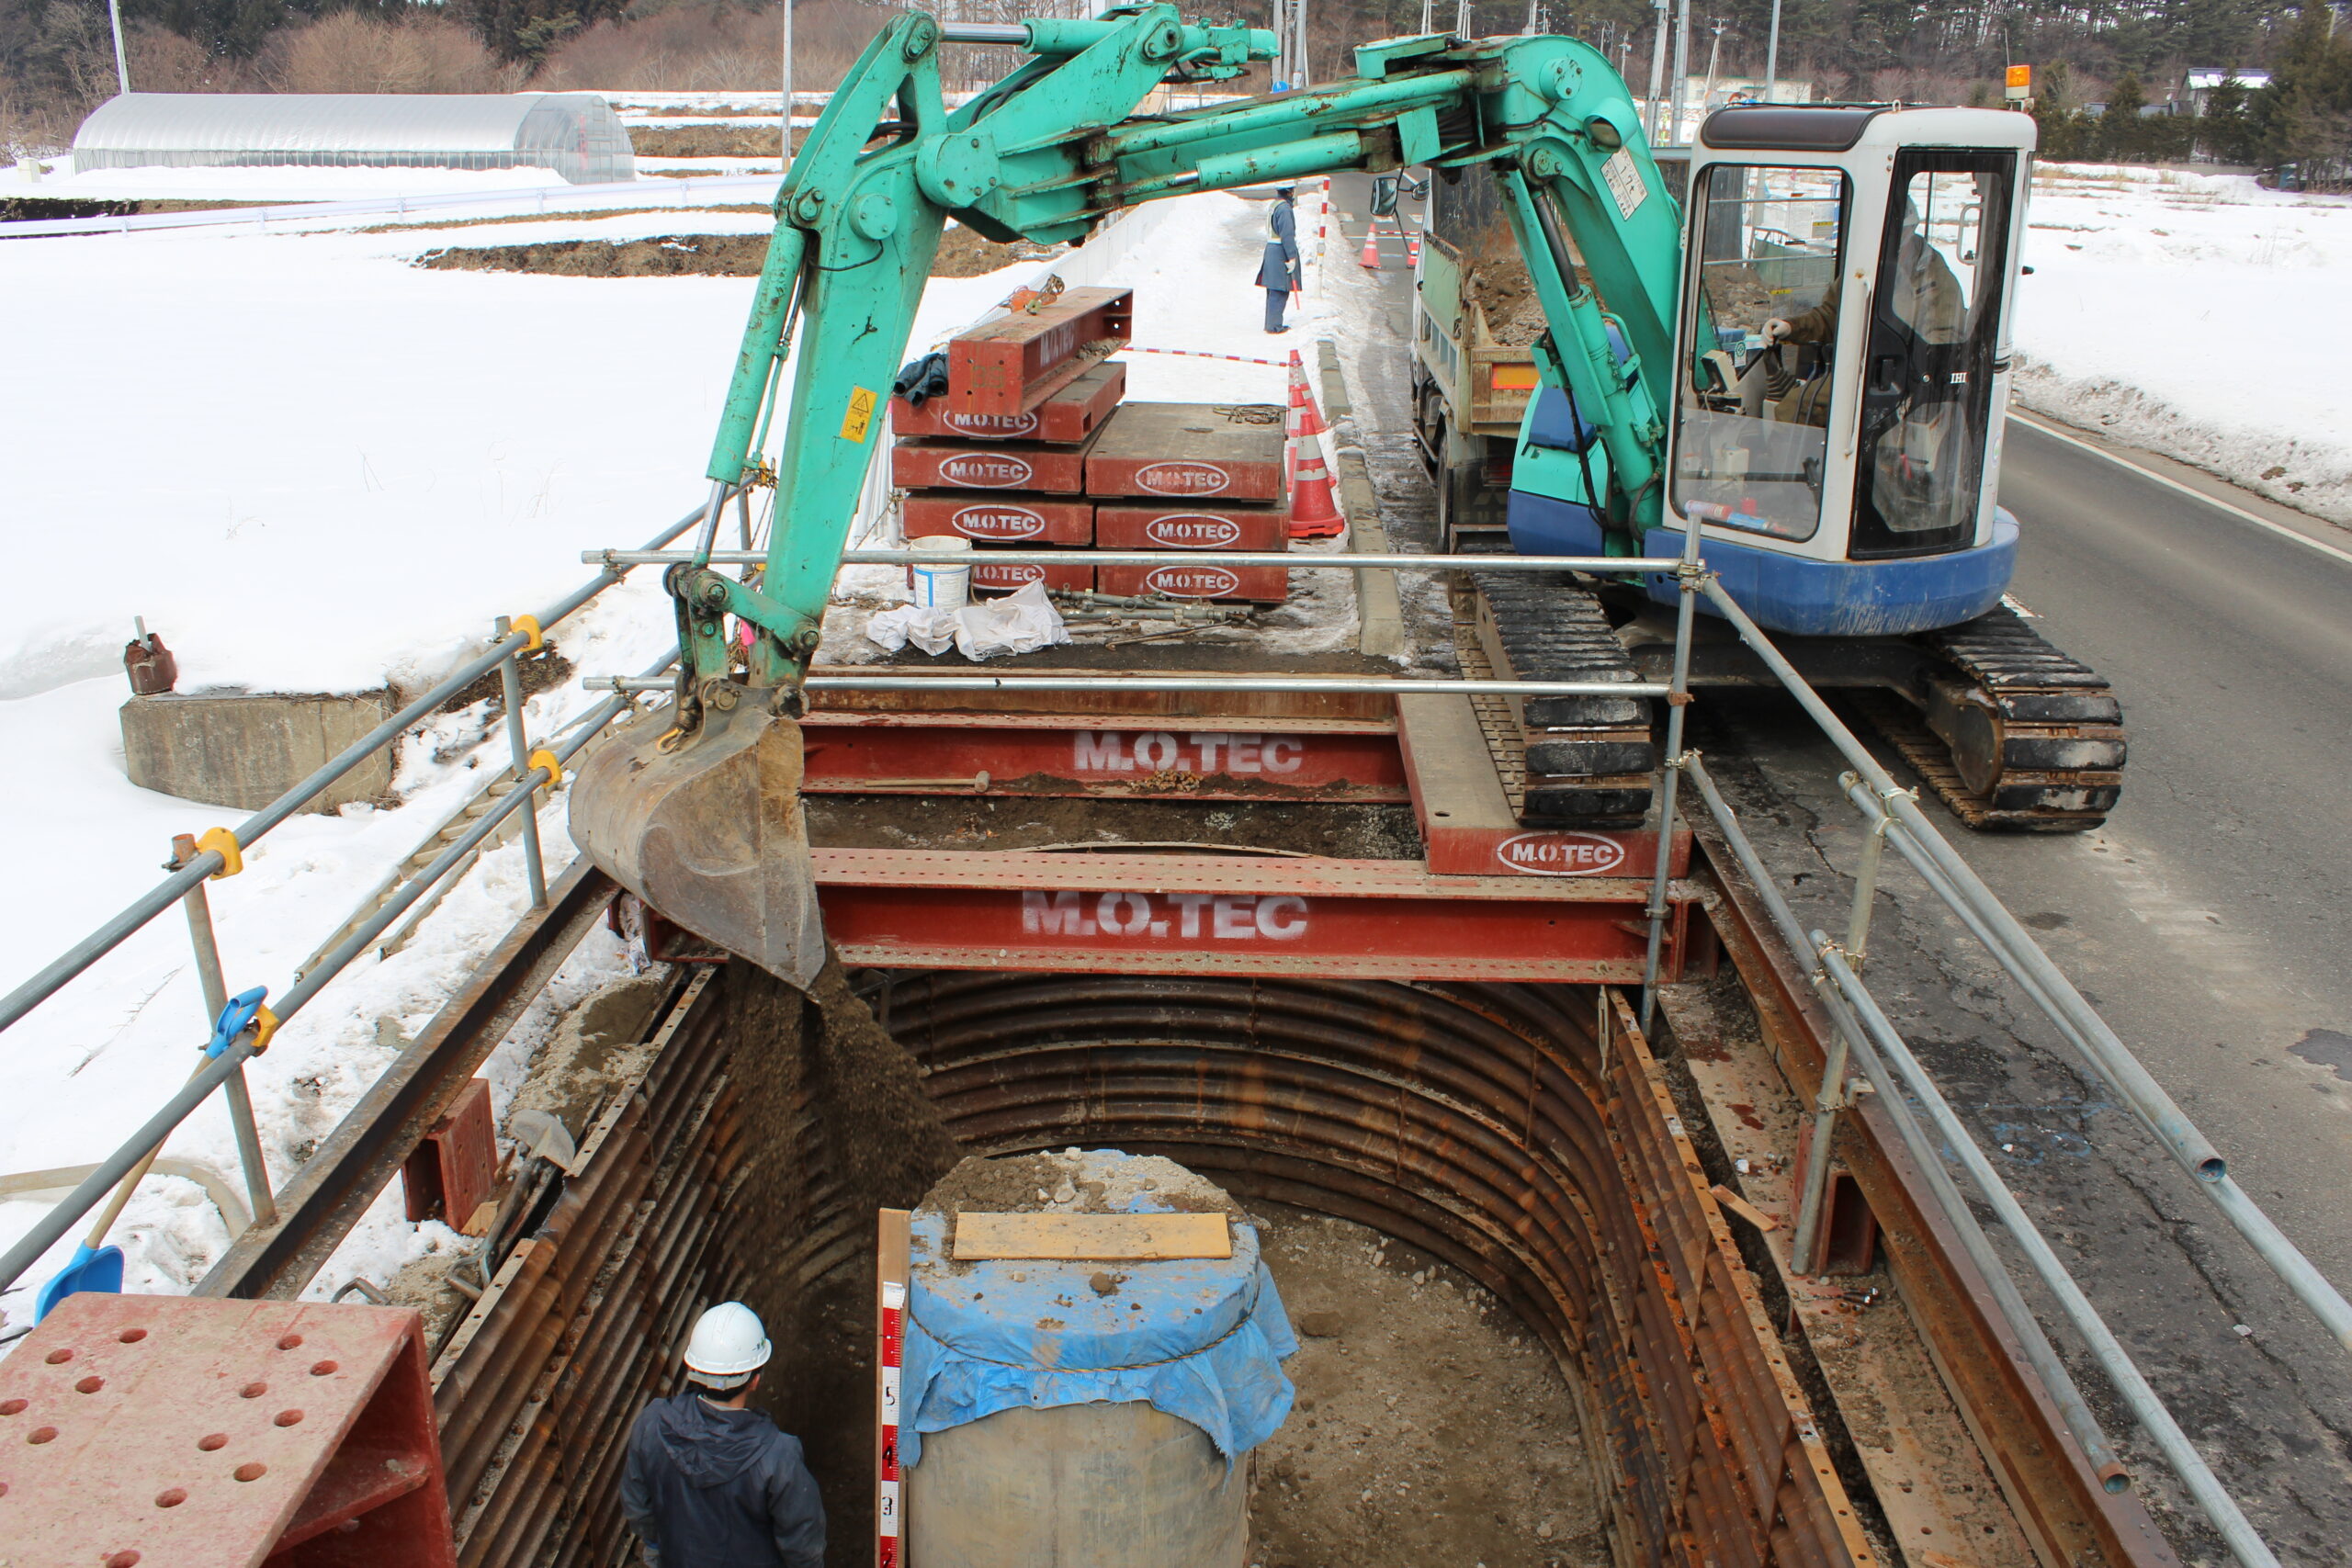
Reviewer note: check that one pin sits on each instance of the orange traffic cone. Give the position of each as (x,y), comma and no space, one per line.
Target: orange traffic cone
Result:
(1306,419)
(1370,256)
(1314,510)
(1412,247)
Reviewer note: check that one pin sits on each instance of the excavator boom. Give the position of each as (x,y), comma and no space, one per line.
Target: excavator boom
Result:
(703,819)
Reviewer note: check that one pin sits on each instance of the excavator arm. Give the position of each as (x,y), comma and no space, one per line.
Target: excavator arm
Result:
(704,820)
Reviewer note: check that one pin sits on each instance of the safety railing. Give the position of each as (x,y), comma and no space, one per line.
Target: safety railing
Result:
(219,853)
(1862,1034)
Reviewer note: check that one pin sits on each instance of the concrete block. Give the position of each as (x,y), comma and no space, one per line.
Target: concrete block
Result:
(245,750)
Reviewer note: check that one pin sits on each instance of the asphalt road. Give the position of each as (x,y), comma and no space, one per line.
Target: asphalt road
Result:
(2207,920)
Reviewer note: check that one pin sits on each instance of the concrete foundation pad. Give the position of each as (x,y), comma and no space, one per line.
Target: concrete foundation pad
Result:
(245,750)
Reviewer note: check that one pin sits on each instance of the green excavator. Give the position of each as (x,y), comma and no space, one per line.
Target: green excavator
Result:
(1811,365)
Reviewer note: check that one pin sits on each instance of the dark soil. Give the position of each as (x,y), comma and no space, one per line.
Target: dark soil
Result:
(754,141)
(1337,830)
(1429,1428)
(1498,284)
(962,253)
(15,209)
(1010,1185)
(836,1125)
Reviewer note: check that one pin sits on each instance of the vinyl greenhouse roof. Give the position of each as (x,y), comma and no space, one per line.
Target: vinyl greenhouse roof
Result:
(575,134)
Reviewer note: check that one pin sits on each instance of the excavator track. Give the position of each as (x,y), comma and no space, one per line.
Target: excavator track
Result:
(2016,735)
(1582,761)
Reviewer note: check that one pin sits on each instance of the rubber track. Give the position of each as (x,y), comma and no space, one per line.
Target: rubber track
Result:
(1589,759)
(2063,741)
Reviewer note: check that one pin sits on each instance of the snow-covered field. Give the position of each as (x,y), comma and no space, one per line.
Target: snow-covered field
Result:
(2196,315)
(311,467)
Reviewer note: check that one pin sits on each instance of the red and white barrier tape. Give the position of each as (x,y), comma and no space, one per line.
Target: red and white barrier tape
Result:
(1199,353)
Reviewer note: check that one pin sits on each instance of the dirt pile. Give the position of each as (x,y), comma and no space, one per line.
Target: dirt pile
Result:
(962,253)
(1430,1426)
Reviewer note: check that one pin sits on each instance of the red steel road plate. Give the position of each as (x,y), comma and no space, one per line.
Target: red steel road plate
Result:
(1203,578)
(989,466)
(1190,526)
(236,1408)
(1145,914)
(1010,364)
(1549,852)
(1069,415)
(1193,764)
(1189,452)
(1014,518)
(1013,576)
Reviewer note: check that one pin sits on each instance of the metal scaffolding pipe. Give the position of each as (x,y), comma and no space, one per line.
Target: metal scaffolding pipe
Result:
(2055,994)
(1316,561)
(165,894)
(2081,1425)
(1361,684)
(2215,1502)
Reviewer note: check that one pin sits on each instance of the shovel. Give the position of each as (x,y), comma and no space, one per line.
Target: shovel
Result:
(96,1266)
(710,833)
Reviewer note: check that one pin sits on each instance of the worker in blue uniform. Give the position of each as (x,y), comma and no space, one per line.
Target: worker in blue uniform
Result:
(709,1483)
(1279,272)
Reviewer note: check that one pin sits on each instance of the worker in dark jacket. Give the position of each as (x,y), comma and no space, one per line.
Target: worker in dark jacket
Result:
(1279,274)
(711,1484)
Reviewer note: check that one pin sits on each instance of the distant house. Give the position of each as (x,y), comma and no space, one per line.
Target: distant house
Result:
(2198,85)
(576,135)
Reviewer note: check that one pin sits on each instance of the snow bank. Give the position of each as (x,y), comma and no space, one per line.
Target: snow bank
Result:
(2196,315)
(293,184)
(314,467)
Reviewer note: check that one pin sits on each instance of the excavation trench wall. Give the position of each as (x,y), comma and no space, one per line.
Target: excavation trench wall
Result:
(1522,1134)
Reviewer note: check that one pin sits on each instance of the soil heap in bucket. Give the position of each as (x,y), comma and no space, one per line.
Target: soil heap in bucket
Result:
(1084,1413)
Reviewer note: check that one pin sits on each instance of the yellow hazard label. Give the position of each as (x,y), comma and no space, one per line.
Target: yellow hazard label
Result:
(859,419)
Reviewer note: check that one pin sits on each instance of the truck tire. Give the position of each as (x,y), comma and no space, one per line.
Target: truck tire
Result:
(1472,517)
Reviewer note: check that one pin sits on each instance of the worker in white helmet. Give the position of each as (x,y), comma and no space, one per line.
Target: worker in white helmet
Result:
(711,1483)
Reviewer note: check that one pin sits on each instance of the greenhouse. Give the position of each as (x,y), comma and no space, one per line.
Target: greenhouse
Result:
(575,134)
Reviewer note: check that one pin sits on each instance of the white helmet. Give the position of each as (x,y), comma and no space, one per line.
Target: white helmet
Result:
(727,1346)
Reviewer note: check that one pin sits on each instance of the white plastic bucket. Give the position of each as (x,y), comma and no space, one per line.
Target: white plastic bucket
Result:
(948,585)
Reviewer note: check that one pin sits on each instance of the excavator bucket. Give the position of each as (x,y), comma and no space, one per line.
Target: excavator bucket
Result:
(711,835)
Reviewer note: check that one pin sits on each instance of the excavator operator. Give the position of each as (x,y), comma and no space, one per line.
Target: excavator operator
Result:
(1923,295)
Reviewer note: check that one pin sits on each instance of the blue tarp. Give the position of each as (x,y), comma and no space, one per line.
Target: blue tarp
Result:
(1203,1339)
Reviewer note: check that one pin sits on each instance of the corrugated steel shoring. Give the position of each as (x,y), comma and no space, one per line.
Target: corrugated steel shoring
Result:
(1481,1124)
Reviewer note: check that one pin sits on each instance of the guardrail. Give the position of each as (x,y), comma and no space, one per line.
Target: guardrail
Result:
(219,853)
(1862,1033)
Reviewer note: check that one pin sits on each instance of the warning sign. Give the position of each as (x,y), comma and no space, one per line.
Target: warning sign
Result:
(2020,83)
(1625,181)
(859,419)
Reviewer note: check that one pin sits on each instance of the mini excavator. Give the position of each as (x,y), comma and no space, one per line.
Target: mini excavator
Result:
(1810,365)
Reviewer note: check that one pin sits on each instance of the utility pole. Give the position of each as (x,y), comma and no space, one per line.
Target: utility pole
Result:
(1531,29)
(1772,55)
(1657,74)
(1714,52)
(1282,45)
(1299,15)
(121,63)
(787,87)
(1681,71)
(1462,19)
(1425,16)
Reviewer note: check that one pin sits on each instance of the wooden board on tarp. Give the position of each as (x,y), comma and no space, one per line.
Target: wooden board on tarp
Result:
(1070,1238)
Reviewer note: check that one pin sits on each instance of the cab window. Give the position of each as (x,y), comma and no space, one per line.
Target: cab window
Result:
(1753,414)
(1929,367)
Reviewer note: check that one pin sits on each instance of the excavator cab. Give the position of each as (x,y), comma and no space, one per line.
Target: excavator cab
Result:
(1844,363)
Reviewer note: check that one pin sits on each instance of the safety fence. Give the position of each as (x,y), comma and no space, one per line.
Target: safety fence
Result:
(245,1024)
(1863,1038)
(1863,1035)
